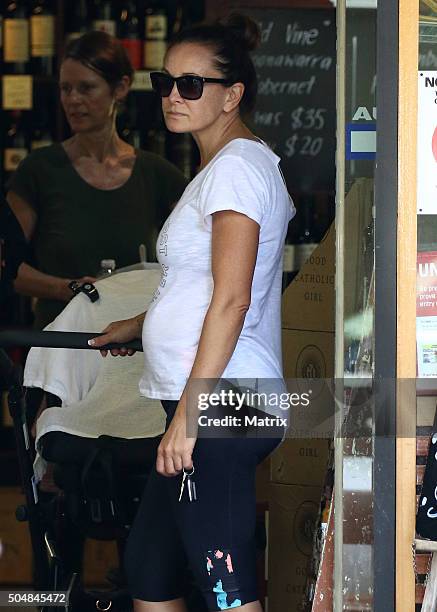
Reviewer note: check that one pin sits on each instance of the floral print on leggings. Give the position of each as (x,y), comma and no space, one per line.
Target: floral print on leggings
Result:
(219,568)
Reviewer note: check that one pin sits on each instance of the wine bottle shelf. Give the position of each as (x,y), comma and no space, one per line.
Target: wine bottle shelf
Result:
(35,36)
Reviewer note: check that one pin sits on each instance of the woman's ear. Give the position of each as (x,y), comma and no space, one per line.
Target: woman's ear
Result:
(234,97)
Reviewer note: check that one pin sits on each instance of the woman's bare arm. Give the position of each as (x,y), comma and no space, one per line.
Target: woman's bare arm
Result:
(24,212)
(235,239)
(31,281)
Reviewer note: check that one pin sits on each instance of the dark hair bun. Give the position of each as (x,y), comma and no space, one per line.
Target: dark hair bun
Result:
(245,29)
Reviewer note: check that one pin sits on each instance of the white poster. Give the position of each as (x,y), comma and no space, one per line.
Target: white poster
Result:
(427,143)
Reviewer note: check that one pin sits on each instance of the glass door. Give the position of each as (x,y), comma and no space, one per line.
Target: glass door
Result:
(355,268)
(375,444)
(375,305)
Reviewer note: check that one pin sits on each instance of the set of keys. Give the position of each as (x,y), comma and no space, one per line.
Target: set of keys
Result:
(191,485)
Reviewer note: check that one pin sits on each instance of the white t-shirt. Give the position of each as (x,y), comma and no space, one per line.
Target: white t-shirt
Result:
(244,176)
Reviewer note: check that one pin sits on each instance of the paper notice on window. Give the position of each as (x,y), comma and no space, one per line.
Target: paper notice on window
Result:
(427,143)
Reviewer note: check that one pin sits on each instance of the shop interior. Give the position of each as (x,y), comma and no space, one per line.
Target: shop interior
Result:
(297,114)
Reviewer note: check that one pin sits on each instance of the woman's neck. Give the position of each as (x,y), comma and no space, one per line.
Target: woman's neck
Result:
(212,140)
(101,144)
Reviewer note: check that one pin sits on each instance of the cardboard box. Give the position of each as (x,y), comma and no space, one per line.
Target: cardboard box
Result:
(16,552)
(293,512)
(300,462)
(308,302)
(99,557)
(309,368)
(308,354)
(308,358)
(15,547)
(358,216)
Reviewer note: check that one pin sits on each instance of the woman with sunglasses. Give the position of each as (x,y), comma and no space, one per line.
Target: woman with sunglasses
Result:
(215,315)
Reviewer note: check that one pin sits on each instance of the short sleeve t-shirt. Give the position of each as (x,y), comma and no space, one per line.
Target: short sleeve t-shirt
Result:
(245,177)
(78,224)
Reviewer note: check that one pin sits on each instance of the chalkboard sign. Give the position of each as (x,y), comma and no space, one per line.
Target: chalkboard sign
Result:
(296,109)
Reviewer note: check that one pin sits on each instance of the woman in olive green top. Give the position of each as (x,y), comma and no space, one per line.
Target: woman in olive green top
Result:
(93,196)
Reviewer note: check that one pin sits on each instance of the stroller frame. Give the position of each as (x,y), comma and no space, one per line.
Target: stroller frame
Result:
(49,573)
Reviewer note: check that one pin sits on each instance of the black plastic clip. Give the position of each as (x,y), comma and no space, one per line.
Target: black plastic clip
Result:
(88,288)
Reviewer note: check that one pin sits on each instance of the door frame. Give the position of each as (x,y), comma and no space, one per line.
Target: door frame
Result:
(394,469)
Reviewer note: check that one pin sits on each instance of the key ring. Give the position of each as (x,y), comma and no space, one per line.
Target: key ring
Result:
(186,476)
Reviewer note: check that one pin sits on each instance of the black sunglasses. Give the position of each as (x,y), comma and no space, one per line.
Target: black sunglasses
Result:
(190,87)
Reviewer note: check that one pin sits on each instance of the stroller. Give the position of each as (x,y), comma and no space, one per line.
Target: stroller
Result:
(99,434)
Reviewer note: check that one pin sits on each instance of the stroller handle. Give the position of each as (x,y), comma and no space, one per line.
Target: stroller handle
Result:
(58,339)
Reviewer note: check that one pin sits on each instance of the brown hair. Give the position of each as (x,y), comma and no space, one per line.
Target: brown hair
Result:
(102,53)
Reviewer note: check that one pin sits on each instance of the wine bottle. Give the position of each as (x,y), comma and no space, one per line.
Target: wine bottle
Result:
(103,17)
(42,37)
(1,41)
(129,33)
(186,13)
(107,267)
(178,21)
(78,20)
(155,35)
(16,145)
(307,241)
(16,38)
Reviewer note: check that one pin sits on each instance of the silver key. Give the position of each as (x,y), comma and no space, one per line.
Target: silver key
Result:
(182,485)
(191,489)
(187,475)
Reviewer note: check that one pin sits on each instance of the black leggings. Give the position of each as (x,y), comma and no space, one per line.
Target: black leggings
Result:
(212,538)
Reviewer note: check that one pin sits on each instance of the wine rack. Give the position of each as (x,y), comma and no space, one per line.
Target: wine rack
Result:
(35,34)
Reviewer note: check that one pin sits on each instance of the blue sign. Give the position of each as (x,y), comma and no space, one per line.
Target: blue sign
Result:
(361,140)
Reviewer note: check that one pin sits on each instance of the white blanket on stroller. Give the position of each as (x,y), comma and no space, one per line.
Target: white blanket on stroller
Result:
(98,396)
